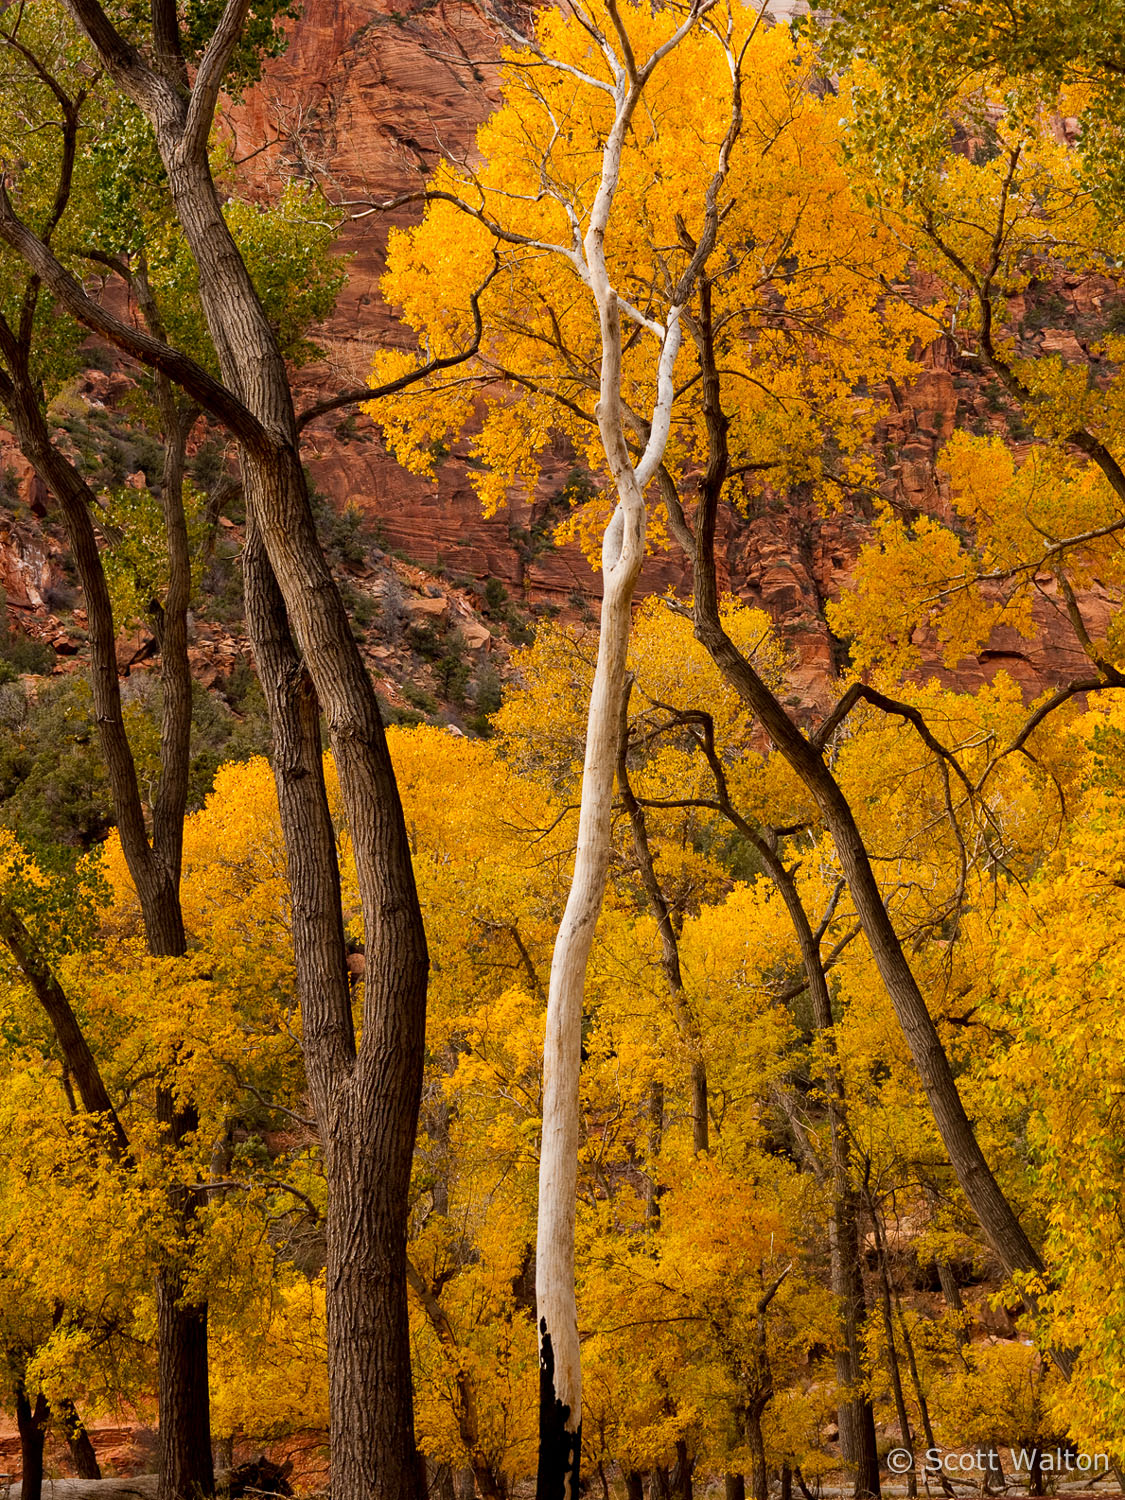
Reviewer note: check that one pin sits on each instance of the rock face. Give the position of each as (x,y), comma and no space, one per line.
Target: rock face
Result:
(368,97)
(372,95)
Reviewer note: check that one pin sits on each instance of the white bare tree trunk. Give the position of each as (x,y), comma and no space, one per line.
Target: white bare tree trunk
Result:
(560,1390)
(560,1414)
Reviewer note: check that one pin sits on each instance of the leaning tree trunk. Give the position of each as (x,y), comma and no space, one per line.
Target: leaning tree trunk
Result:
(376,1091)
(367,1113)
(980,1187)
(82,1453)
(993,1211)
(856,1418)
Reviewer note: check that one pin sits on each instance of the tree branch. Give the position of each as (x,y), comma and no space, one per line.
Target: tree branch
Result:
(209,77)
(203,388)
(392,387)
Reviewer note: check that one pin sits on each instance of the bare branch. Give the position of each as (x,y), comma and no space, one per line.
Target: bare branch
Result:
(391,387)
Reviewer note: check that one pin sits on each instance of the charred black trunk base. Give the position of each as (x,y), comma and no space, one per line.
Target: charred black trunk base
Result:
(559,1448)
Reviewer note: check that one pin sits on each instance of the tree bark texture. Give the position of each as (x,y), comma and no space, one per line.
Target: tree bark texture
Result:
(375,1098)
(187,1467)
(366,1147)
(368,1113)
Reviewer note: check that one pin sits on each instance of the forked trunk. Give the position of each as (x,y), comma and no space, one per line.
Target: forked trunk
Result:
(31,1422)
(366,1133)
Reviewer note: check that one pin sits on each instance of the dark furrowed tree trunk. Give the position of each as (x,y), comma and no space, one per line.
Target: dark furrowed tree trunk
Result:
(368,1327)
(82,1453)
(370,1124)
(186,1468)
(184,1406)
(31,1422)
(681,1481)
(368,1333)
(759,1473)
(992,1209)
(734,1487)
(379,1088)
(634,1485)
(856,1417)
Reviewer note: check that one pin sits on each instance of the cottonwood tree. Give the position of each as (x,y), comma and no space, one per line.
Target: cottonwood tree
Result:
(586,69)
(777,361)
(365,1093)
(997,225)
(35,58)
(679,710)
(61,182)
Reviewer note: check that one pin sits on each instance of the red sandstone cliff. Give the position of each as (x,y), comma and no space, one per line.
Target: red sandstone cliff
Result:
(373,94)
(369,96)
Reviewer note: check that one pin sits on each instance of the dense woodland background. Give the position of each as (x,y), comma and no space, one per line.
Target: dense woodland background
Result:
(906,345)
